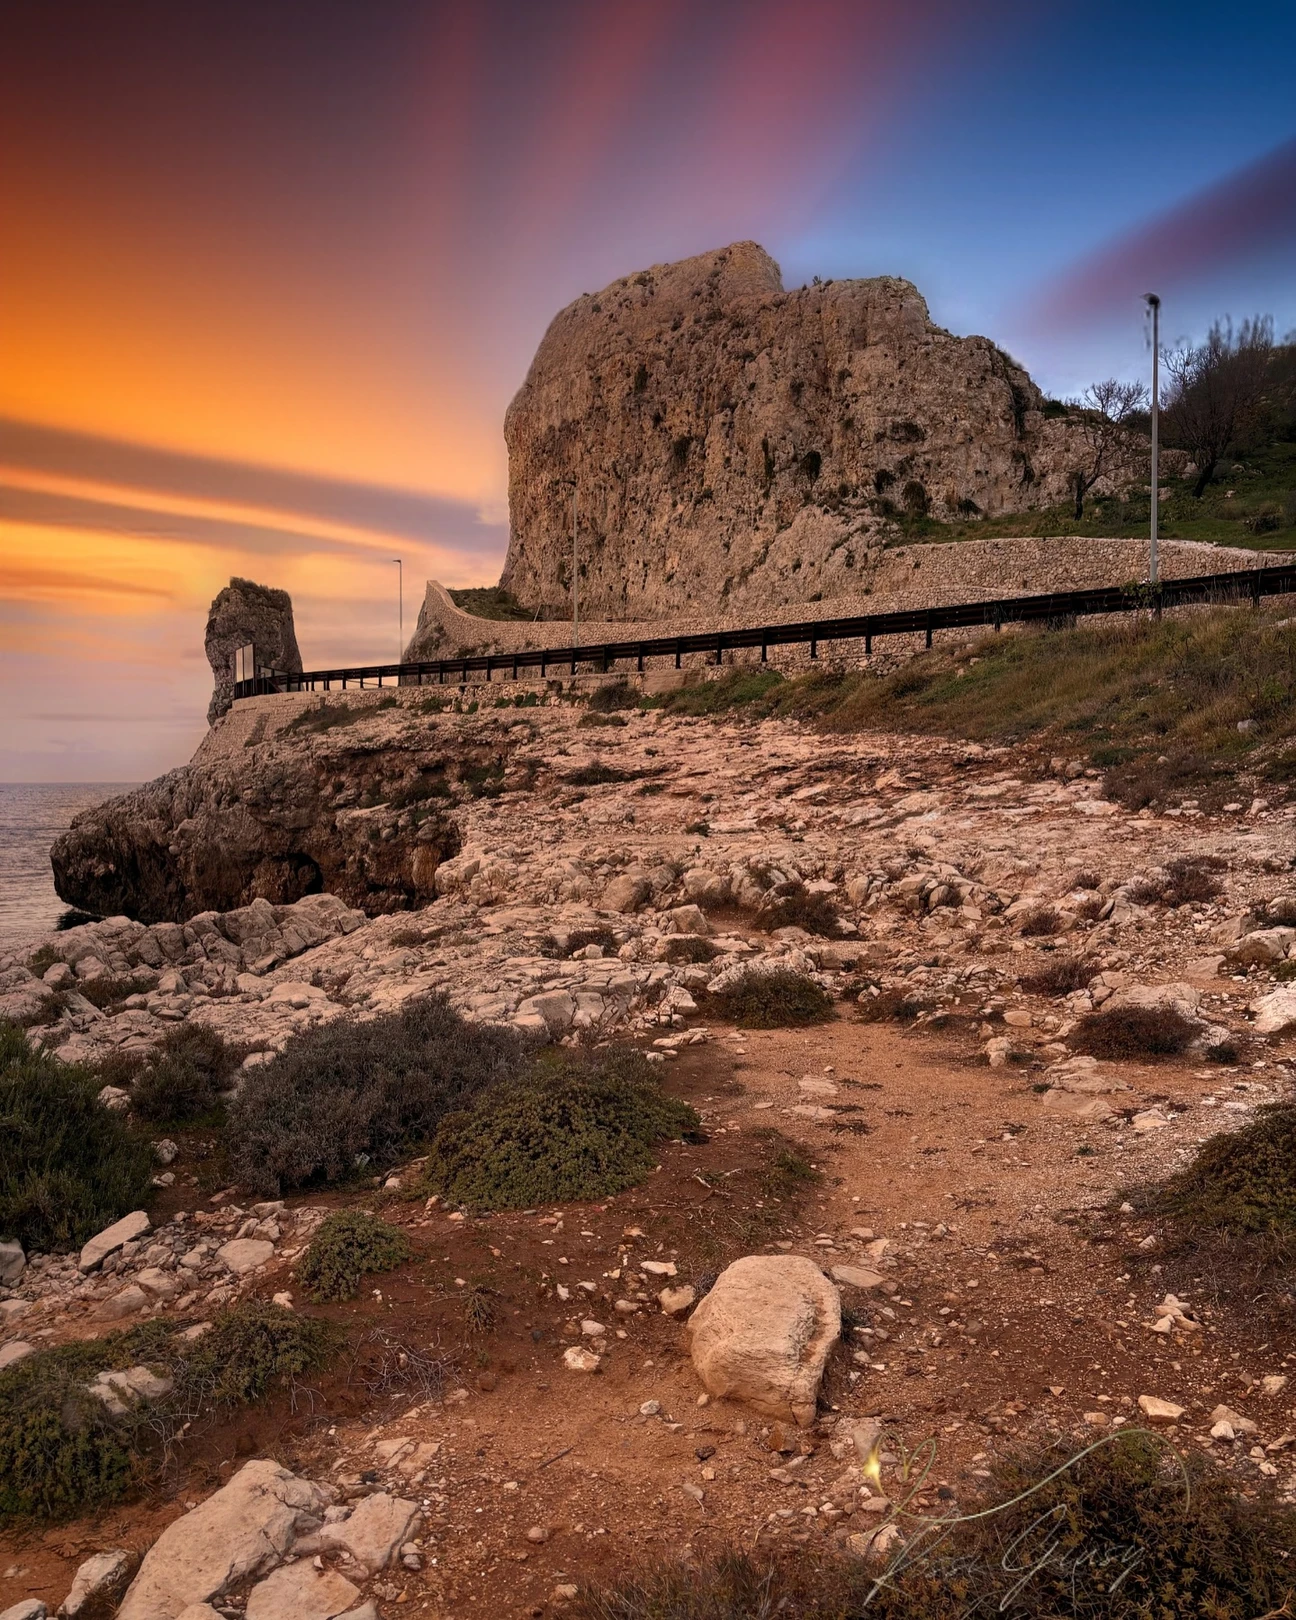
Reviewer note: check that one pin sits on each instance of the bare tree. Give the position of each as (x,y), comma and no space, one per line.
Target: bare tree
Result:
(1216,389)
(1106,414)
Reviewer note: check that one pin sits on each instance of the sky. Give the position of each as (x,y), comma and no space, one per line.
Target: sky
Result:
(270,274)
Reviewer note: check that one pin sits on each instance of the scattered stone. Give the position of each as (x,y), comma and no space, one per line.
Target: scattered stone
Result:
(12,1262)
(301,1592)
(857,1277)
(11,1354)
(579,1360)
(1155,1410)
(375,1530)
(674,1301)
(107,1242)
(244,1255)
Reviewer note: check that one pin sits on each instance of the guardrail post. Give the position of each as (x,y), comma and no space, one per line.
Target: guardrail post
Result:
(515,669)
(641,656)
(929,629)
(764,651)
(868,644)
(677,655)
(544,663)
(1255,587)
(814,646)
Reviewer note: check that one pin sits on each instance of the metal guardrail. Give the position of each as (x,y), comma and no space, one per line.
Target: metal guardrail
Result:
(1057,607)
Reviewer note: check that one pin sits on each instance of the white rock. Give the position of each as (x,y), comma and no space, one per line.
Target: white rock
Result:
(245,1528)
(242,1255)
(1084,1075)
(1180,998)
(579,1360)
(123,1388)
(375,1530)
(1235,1420)
(857,1277)
(98,1577)
(555,1007)
(112,1237)
(675,1300)
(1276,1011)
(128,1301)
(764,1332)
(12,1261)
(11,1354)
(1155,1410)
(658,1268)
(301,1592)
(28,1608)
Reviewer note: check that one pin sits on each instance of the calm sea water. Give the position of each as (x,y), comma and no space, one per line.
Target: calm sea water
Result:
(32,815)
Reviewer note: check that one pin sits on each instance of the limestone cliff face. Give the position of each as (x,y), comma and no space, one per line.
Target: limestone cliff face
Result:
(736,445)
(243,612)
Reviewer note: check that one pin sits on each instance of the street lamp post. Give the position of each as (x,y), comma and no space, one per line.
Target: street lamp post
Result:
(400,595)
(1154,304)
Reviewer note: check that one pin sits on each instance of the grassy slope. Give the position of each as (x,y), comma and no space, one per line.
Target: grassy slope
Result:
(1158,704)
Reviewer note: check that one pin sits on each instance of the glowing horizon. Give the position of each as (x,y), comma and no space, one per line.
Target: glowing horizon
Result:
(271,278)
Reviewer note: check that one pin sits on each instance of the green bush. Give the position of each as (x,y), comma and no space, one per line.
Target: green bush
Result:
(348,1244)
(68,1165)
(61,1450)
(185,1076)
(247,1349)
(1127,1533)
(791,905)
(570,1131)
(1241,1181)
(349,1095)
(777,999)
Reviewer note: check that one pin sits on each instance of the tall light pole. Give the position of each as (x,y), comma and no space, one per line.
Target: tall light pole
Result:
(575,574)
(1154,304)
(400,596)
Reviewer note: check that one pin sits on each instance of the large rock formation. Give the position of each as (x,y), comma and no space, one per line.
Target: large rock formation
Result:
(306,811)
(246,612)
(735,444)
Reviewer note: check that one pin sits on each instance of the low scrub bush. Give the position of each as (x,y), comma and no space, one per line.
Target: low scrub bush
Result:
(596,773)
(570,1131)
(1241,1181)
(68,1165)
(1042,921)
(63,1452)
(792,905)
(616,695)
(738,690)
(248,1351)
(1133,1032)
(688,948)
(185,1077)
(346,1096)
(778,999)
(1059,975)
(348,1244)
(1193,878)
(111,992)
(325,718)
(1129,1532)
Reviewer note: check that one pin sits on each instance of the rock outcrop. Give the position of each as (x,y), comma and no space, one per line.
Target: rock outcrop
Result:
(307,813)
(737,444)
(246,612)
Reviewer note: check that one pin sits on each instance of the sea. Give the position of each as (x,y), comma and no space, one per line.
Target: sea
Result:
(32,815)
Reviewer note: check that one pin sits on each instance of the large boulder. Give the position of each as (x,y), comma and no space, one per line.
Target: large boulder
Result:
(246,612)
(743,445)
(764,1333)
(244,1529)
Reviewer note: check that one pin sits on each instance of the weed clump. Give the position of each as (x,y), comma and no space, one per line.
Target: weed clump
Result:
(346,1096)
(1059,975)
(1042,921)
(247,1350)
(687,948)
(570,1131)
(895,1004)
(615,695)
(792,905)
(1133,1032)
(777,999)
(348,1244)
(68,1165)
(185,1077)
(1241,1181)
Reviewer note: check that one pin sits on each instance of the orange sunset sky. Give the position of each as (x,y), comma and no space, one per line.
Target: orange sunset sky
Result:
(270,274)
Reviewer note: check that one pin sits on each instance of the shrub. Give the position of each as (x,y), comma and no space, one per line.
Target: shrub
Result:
(1042,921)
(248,1349)
(791,905)
(615,695)
(61,1450)
(1133,1032)
(777,999)
(570,1131)
(348,1244)
(1241,1181)
(324,718)
(68,1165)
(688,948)
(1129,1532)
(109,992)
(734,691)
(1059,975)
(348,1094)
(596,773)
(1192,878)
(185,1076)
